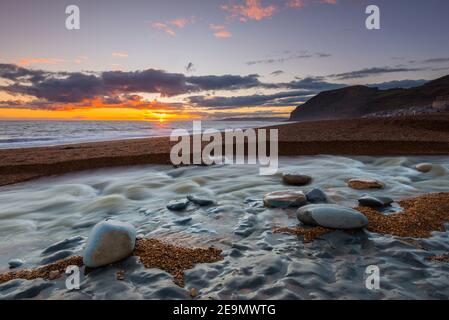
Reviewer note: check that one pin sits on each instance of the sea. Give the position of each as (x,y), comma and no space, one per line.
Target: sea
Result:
(20,134)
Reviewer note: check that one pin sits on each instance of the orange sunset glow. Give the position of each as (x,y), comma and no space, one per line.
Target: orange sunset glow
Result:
(93,114)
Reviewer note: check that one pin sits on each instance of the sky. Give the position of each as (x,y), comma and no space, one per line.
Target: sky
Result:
(193,59)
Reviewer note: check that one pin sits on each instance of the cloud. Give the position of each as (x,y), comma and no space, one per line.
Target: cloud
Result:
(80,59)
(436,60)
(312,83)
(276,73)
(28,61)
(169,26)
(76,87)
(371,72)
(120,54)
(302,90)
(182,22)
(298,4)
(222,34)
(41,89)
(285,58)
(405,84)
(250,10)
(276,99)
(256,10)
(220,31)
(225,82)
(164,27)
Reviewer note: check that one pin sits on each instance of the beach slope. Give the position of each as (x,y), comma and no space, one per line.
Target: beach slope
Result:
(420,135)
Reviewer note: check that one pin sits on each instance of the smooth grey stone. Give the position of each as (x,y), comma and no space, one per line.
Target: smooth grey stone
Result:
(109,241)
(284,199)
(331,216)
(424,167)
(177,205)
(296,179)
(15,263)
(316,196)
(200,200)
(370,201)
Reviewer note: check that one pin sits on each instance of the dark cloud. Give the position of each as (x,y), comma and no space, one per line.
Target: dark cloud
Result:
(405,84)
(16,73)
(225,82)
(276,73)
(312,83)
(76,87)
(371,72)
(277,99)
(436,60)
(302,55)
(120,89)
(302,90)
(254,114)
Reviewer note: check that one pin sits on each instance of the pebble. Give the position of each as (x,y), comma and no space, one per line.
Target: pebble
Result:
(360,184)
(370,201)
(331,216)
(200,201)
(15,263)
(284,199)
(178,205)
(120,275)
(296,179)
(316,196)
(193,292)
(424,167)
(109,241)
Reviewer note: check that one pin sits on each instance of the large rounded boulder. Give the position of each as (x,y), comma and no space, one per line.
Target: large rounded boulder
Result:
(109,241)
(331,216)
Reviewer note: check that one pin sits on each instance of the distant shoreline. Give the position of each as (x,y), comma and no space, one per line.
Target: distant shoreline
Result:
(423,135)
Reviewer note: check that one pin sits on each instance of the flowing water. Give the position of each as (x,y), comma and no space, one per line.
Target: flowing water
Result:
(257,263)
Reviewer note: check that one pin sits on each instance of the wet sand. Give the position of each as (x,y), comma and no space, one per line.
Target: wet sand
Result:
(423,135)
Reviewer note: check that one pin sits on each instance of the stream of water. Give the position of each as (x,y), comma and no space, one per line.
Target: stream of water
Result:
(257,263)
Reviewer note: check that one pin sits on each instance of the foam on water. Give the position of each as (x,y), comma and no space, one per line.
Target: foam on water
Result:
(257,263)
